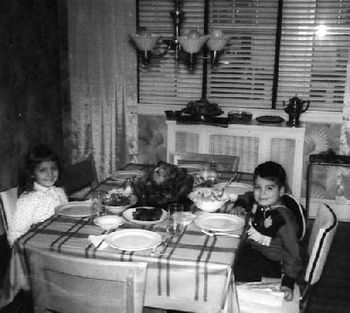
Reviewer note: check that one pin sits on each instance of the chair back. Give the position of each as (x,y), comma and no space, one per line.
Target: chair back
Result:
(320,241)
(80,177)
(8,206)
(299,213)
(80,285)
(222,162)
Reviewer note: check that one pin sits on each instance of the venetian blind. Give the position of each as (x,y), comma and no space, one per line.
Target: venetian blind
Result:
(314,52)
(245,74)
(311,65)
(166,81)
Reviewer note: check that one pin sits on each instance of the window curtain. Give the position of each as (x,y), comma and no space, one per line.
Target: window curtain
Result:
(102,74)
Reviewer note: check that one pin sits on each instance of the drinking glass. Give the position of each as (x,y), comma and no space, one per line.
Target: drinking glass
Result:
(175,223)
(97,198)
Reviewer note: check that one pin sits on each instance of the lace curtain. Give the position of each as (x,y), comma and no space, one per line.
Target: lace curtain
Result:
(102,74)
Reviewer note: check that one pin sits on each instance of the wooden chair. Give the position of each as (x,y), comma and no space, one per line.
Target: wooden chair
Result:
(320,241)
(222,162)
(8,206)
(80,178)
(74,284)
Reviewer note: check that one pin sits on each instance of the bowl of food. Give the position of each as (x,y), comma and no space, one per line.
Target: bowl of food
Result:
(208,199)
(239,117)
(117,201)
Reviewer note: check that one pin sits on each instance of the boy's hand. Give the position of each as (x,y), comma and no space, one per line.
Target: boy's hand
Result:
(288,293)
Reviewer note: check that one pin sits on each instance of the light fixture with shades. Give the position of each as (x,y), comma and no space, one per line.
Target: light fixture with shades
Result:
(186,47)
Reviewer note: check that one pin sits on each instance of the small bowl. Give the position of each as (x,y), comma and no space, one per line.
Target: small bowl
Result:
(108,222)
(239,117)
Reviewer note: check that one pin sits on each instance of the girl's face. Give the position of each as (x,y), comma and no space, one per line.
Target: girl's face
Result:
(46,173)
(267,192)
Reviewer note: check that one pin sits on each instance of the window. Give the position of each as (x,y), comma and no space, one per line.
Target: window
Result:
(278,48)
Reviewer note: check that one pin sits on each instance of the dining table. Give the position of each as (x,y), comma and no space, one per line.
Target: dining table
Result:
(192,272)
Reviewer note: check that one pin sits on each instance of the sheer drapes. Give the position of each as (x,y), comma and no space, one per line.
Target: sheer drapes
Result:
(102,73)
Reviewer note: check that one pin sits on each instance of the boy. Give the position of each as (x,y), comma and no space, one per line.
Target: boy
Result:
(271,247)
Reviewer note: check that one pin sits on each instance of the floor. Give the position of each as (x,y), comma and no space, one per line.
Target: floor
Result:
(331,296)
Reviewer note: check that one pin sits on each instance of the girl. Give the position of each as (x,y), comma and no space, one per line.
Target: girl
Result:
(38,191)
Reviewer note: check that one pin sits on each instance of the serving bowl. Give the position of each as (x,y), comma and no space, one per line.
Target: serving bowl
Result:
(117,201)
(208,199)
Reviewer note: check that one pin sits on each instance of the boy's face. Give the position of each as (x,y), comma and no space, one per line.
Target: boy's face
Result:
(267,192)
(46,173)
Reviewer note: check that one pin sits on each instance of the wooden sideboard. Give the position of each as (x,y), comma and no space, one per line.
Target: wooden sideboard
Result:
(254,143)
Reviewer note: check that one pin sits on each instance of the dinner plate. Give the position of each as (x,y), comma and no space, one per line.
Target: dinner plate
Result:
(123,175)
(77,209)
(235,188)
(133,239)
(219,222)
(108,222)
(128,215)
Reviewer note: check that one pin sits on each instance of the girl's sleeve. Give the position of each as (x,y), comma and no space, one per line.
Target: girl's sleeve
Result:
(22,219)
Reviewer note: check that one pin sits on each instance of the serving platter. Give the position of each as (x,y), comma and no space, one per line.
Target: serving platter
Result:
(128,215)
(219,222)
(133,239)
(77,209)
(123,175)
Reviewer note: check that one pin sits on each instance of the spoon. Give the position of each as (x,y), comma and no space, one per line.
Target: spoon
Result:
(234,176)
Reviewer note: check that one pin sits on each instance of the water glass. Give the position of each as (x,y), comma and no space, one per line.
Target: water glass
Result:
(175,224)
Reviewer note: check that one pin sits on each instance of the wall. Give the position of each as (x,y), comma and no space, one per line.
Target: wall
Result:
(30,88)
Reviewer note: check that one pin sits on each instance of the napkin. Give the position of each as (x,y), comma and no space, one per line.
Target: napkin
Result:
(98,241)
(259,297)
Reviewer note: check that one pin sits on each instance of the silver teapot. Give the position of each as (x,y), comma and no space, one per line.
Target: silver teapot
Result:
(294,108)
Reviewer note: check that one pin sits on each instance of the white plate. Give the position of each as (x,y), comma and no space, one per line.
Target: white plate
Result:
(123,175)
(133,239)
(128,215)
(235,188)
(77,209)
(108,222)
(219,222)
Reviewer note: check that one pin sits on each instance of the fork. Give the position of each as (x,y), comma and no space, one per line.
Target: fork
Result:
(212,234)
(164,244)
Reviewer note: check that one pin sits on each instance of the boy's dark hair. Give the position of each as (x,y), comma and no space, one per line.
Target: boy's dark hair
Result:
(272,171)
(35,156)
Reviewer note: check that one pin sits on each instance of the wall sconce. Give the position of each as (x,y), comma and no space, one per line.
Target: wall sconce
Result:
(185,47)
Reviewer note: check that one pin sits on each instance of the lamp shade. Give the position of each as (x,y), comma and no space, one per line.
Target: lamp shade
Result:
(192,42)
(217,40)
(145,41)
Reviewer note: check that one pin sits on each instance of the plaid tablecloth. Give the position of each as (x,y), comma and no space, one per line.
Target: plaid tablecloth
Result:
(194,273)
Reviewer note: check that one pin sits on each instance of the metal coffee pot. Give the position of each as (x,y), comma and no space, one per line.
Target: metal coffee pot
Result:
(294,108)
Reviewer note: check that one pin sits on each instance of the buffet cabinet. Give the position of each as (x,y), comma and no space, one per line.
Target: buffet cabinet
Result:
(253,143)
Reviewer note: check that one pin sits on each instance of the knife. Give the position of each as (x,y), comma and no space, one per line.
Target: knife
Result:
(211,234)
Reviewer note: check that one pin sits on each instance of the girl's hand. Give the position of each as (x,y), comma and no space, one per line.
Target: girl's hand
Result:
(288,293)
